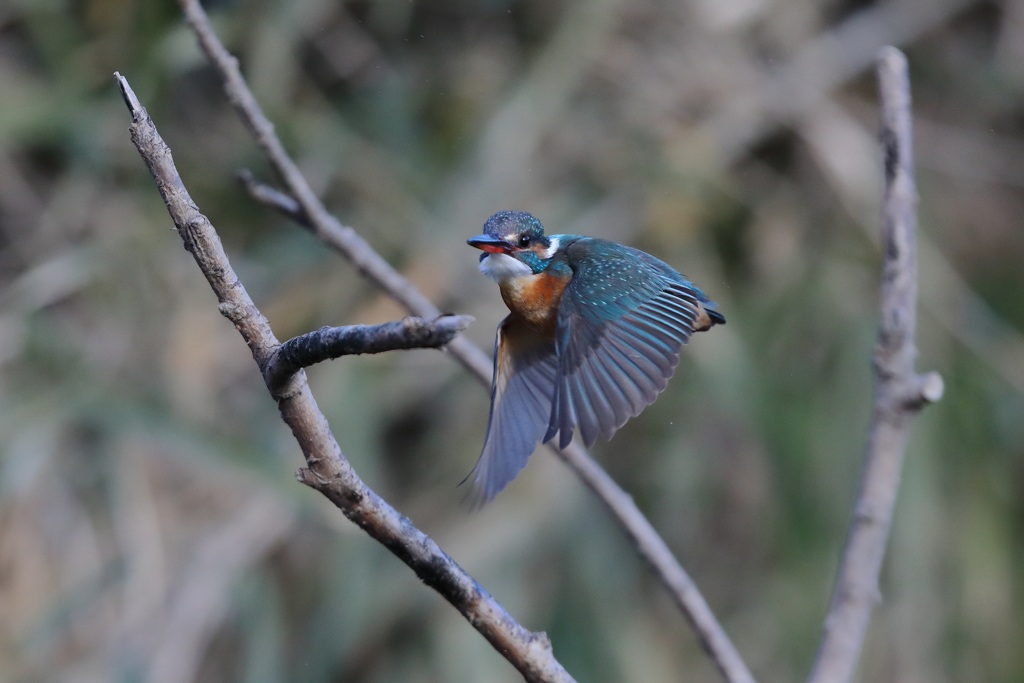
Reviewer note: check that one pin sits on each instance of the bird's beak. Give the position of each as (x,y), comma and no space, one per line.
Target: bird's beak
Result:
(490,243)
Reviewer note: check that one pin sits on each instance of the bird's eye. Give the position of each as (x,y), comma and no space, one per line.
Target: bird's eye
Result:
(524,241)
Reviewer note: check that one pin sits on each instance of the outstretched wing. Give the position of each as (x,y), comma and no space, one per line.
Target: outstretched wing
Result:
(623,318)
(525,368)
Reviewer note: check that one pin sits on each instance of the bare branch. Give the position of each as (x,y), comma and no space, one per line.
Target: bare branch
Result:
(328,343)
(328,471)
(301,204)
(899,391)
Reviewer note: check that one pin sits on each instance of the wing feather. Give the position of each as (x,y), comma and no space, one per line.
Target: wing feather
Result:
(594,394)
(626,379)
(617,351)
(525,371)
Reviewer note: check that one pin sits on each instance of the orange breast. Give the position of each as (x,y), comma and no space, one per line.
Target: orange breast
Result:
(535,298)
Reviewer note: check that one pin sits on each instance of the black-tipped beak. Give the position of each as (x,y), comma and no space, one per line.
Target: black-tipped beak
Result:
(490,243)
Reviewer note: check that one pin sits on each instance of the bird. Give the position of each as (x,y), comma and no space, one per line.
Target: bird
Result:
(593,335)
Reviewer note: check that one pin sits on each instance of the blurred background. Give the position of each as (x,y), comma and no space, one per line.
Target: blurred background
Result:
(150,526)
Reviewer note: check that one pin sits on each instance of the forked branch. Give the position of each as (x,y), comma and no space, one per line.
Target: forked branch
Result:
(327,469)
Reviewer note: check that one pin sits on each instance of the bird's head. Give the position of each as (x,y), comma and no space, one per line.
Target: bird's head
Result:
(514,244)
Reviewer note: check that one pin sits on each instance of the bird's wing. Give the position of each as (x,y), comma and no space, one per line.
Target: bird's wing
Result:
(622,320)
(525,368)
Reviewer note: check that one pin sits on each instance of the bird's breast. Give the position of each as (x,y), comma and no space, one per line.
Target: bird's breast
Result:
(535,298)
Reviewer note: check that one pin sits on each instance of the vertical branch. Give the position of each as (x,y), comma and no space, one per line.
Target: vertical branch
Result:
(900,392)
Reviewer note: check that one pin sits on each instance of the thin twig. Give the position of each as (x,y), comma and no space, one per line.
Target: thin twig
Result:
(900,392)
(275,199)
(301,204)
(313,215)
(329,343)
(328,471)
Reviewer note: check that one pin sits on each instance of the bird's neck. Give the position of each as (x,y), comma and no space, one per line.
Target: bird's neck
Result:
(535,298)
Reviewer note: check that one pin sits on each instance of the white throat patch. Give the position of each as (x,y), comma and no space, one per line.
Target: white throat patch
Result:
(502,267)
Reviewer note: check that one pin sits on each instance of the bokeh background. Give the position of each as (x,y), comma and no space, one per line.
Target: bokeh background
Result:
(150,526)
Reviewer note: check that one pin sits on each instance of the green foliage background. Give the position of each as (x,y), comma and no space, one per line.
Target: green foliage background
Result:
(150,526)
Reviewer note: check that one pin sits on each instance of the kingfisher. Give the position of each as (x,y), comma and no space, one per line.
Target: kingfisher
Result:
(592,337)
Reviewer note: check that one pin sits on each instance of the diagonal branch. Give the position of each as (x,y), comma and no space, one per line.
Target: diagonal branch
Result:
(300,203)
(327,469)
(900,392)
(329,343)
